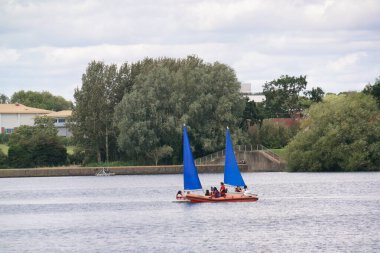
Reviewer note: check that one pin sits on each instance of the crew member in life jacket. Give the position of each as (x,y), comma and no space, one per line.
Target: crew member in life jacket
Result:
(222,189)
(179,195)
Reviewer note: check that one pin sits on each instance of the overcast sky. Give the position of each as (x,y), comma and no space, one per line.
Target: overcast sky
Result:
(46,45)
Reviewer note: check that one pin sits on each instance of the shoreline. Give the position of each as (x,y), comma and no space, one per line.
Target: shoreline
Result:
(122,170)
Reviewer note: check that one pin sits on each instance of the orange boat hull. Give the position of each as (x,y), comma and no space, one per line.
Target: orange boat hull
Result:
(196,198)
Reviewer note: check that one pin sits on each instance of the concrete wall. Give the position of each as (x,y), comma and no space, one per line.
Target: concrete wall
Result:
(260,161)
(130,170)
(257,161)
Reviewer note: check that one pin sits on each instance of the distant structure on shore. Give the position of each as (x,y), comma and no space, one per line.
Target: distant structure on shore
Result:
(13,116)
(246,90)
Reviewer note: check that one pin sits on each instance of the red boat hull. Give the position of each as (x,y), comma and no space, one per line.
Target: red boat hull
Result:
(196,198)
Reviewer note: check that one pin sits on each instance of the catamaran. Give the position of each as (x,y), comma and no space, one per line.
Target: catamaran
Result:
(232,177)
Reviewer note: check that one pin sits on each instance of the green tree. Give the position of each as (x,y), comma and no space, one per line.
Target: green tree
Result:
(4,99)
(158,153)
(102,89)
(42,100)
(170,92)
(315,94)
(282,95)
(252,114)
(340,133)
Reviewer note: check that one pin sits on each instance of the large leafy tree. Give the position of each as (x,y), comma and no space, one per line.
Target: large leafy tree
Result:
(340,133)
(42,100)
(170,92)
(103,86)
(282,95)
(36,146)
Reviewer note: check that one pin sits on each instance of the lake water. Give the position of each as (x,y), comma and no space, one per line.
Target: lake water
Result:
(296,212)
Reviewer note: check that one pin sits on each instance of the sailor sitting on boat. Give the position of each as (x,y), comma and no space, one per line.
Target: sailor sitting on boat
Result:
(247,192)
(215,193)
(179,195)
(223,189)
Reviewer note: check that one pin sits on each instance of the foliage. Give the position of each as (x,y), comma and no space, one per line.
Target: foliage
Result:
(160,152)
(76,155)
(340,133)
(103,87)
(252,114)
(4,99)
(4,138)
(3,160)
(272,134)
(374,90)
(315,94)
(282,95)
(42,100)
(4,148)
(170,92)
(38,145)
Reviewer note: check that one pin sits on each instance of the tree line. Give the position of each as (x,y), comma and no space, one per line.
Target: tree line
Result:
(135,112)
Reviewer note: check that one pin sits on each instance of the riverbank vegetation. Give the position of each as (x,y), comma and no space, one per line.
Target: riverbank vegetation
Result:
(133,114)
(342,133)
(36,146)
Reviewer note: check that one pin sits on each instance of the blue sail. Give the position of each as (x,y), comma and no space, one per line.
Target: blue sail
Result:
(232,174)
(190,173)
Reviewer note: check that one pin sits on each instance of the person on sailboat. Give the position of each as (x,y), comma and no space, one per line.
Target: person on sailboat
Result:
(179,195)
(222,189)
(215,193)
(238,189)
(246,191)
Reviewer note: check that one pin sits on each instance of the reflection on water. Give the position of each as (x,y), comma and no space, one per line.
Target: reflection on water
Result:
(296,212)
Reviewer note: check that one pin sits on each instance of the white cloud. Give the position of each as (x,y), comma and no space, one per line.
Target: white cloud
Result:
(8,55)
(46,45)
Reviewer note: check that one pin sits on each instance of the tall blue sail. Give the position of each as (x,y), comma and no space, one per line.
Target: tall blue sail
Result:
(190,173)
(232,175)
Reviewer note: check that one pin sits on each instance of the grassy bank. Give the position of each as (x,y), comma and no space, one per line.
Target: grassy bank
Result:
(281,152)
(4,148)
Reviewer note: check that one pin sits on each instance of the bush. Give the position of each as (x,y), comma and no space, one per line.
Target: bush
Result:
(3,160)
(342,133)
(49,153)
(77,157)
(272,134)
(4,138)
(20,156)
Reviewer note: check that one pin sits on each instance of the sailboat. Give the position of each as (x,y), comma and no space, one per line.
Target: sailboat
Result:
(191,180)
(232,177)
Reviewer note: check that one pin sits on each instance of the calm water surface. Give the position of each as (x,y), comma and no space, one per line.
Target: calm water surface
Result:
(296,212)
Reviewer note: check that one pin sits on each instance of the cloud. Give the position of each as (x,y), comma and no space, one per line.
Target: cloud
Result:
(47,44)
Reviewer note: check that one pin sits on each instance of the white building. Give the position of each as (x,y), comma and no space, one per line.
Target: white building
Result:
(13,116)
(61,119)
(246,91)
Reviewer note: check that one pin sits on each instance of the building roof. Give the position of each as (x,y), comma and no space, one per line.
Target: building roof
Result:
(21,109)
(60,114)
